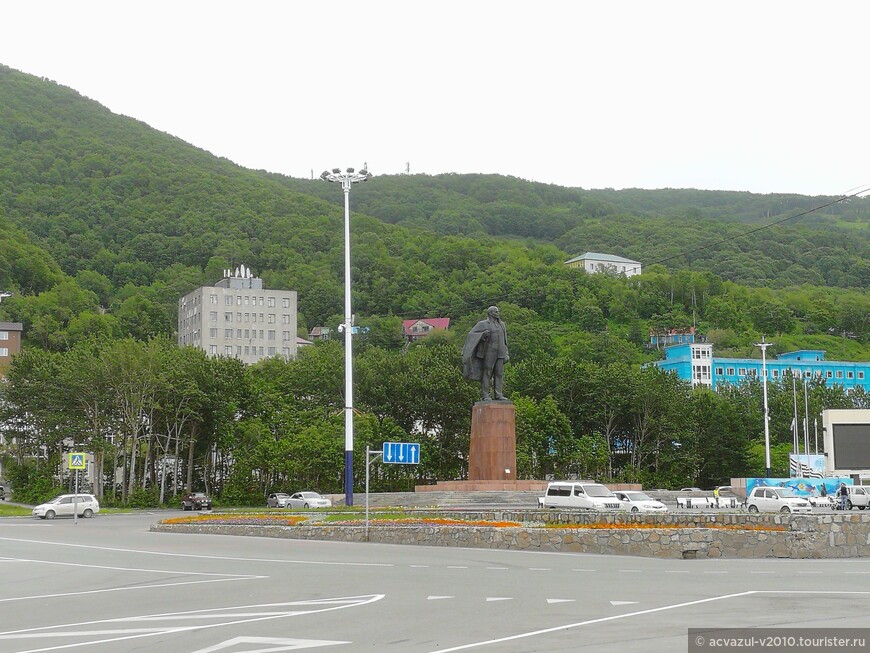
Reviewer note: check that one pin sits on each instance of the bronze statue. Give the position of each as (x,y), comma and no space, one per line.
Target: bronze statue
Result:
(485,353)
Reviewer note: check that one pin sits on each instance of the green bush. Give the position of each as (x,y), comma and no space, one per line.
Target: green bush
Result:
(33,482)
(144,498)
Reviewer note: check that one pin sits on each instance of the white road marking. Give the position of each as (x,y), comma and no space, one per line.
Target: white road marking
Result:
(589,622)
(498,568)
(540,569)
(419,566)
(202,557)
(811,572)
(761,572)
(638,613)
(584,570)
(715,572)
(456,567)
(174,572)
(276,644)
(679,571)
(622,602)
(499,598)
(125,589)
(628,571)
(236,615)
(438,598)
(561,600)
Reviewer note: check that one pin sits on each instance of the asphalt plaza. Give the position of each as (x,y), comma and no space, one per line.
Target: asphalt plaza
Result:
(109,585)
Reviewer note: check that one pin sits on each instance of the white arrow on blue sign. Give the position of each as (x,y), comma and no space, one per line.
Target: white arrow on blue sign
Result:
(402,453)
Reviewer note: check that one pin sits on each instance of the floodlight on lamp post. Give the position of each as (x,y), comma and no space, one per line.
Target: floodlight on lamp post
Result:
(764,346)
(347,178)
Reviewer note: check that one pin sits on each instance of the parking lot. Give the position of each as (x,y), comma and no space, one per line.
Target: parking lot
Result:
(107,584)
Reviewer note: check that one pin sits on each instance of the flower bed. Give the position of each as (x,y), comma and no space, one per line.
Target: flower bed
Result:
(240,520)
(713,525)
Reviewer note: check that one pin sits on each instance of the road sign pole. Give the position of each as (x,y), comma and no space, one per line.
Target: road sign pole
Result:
(76,501)
(369,452)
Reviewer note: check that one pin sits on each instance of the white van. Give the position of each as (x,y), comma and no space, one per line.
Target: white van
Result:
(585,495)
(65,504)
(859,498)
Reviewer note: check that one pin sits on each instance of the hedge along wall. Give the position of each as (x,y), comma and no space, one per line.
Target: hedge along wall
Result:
(661,536)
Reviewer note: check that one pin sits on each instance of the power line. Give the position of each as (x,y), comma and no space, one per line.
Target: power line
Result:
(766,226)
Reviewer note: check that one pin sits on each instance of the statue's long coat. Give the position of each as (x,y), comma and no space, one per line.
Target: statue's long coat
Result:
(474,350)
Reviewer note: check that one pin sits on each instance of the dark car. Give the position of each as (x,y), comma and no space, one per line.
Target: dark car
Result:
(196,501)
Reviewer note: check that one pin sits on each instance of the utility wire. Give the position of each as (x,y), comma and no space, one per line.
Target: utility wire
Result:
(479,303)
(847,196)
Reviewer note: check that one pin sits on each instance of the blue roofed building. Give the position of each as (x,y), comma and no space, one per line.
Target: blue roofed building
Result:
(695,362)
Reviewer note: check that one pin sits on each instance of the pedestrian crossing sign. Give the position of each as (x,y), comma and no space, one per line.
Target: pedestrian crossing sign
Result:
(76,461)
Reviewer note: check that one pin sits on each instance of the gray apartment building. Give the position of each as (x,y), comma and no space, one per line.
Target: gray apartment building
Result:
(239,318)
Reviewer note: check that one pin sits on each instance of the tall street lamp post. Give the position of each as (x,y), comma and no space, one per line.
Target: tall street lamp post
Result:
(764,346)
(347,178)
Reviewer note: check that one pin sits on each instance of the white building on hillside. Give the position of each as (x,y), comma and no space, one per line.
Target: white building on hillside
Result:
(238,317)
(592,262)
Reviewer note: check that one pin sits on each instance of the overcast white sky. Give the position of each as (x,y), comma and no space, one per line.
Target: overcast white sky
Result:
(764,96)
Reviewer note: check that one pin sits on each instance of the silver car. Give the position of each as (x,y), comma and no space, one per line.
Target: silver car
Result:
(85,505)
(635,501)
(309,500)
(278,500)
(776,499)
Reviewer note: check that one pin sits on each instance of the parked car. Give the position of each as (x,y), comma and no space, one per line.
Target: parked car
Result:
(308,500)
(635,501)
(196,501)
(4,491)
(278,500)
(823,502)
(64,505)
(859,498)
(776,499)
(586,495)
(691,489)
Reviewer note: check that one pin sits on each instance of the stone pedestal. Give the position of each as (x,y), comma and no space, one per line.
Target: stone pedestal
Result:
(492,455)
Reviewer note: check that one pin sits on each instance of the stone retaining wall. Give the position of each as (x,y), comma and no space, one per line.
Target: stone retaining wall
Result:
(660,536)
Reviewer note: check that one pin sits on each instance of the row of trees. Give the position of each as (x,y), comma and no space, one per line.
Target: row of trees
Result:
(159,419)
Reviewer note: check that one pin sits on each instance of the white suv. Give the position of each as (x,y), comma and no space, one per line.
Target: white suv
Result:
(776,499)
(580,494)
(86,505)
(859,498)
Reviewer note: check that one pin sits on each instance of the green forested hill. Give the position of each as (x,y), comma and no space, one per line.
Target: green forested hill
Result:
(105,222)
(717,231)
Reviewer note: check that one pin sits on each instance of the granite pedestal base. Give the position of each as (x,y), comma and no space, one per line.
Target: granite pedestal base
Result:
(492,455)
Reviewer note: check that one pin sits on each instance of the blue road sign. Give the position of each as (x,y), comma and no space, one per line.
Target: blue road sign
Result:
(402,453)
